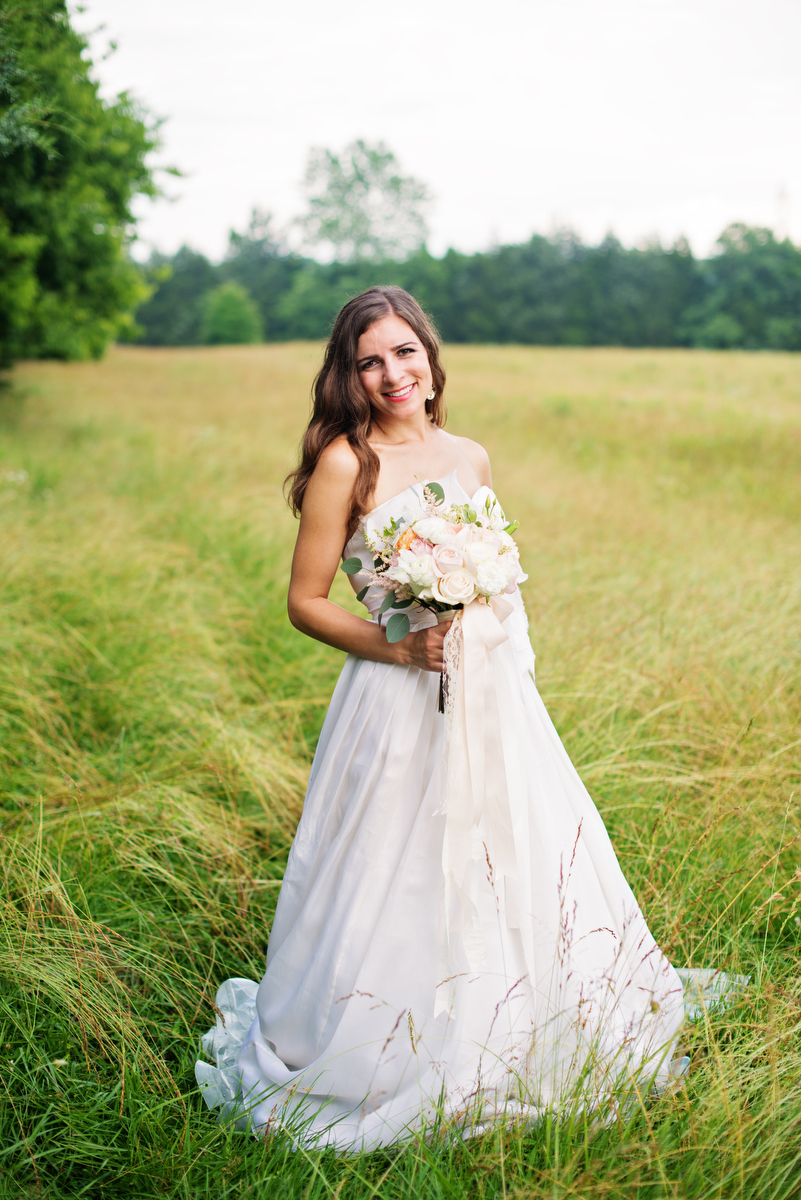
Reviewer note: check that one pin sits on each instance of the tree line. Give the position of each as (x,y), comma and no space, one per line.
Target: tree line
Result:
(547,291)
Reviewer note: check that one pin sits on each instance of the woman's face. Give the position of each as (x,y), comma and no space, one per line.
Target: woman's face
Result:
(393,367)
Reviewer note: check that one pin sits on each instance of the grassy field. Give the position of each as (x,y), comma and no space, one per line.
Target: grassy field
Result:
(158,716)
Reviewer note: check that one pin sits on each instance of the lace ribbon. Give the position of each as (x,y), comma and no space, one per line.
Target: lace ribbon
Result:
(478,823)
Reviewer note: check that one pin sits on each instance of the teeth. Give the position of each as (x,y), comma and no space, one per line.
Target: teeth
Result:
(394,395)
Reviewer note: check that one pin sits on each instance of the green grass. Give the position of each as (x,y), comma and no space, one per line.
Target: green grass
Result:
(158,716)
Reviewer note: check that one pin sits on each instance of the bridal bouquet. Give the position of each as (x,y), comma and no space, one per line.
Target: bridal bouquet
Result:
(440,559)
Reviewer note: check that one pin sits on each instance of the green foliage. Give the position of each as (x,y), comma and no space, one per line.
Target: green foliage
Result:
(230,318)
(71,166)
(173,313)
(547,291)
(752,294)
(260,261)
(360,207)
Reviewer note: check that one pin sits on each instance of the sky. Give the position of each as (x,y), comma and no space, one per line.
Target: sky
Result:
(646,118)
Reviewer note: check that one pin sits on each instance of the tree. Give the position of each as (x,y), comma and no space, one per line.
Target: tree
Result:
(173,314)
(260,260)
(752,293)
(360,207)
(71,166)
(230,318)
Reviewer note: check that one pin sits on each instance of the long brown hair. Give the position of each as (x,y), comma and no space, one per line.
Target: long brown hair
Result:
(341,406)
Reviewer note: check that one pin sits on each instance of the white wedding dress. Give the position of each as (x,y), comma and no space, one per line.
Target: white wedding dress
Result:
(382,1009)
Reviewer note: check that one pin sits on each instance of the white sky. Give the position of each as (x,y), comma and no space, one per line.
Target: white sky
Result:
(640,116)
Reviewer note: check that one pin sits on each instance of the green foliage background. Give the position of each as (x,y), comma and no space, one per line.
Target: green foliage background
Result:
(229,317)
(70,166)
(547,291)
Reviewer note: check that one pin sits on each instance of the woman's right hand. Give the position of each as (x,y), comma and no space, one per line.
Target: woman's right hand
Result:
(425,648)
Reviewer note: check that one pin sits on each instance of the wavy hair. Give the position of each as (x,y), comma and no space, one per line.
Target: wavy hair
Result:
(340,403)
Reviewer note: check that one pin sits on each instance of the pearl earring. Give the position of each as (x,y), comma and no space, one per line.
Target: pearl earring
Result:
(431,395)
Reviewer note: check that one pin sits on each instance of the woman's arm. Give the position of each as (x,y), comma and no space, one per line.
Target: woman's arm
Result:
(322,533)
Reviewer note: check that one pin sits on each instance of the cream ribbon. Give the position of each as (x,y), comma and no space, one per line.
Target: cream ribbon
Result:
(476,791)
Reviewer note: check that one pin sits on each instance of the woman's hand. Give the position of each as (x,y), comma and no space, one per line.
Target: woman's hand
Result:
(425,648)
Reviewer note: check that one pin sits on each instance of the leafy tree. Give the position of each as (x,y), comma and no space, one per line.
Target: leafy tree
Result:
(752,293)
(360,207)
(173,315)
(71,166)
(230,318)
(259,259)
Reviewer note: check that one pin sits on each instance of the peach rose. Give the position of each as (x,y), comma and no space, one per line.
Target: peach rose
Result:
(447,558)
(457,587)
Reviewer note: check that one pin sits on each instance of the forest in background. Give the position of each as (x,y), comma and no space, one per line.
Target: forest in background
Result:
(551,290)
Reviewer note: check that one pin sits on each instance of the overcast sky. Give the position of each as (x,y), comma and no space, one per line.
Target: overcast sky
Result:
(645,117)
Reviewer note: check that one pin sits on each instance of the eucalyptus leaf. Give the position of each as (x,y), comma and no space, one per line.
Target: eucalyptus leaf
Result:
(401,604)
(387,602)
(352,566)
(438,492)
(397,627)
(360,595)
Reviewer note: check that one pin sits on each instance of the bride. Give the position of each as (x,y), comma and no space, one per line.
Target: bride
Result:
(440,954)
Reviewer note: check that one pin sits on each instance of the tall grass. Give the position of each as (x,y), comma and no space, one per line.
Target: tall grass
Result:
(158,715)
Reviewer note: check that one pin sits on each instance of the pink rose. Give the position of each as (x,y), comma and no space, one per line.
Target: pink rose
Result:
(418,547)
(448,558)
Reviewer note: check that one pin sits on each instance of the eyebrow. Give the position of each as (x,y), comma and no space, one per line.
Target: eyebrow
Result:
(400,345)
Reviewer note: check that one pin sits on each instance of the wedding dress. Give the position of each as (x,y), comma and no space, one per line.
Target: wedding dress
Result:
(420,970)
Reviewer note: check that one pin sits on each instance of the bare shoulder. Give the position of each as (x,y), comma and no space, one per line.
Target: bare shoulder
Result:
(337,466)
(478,458)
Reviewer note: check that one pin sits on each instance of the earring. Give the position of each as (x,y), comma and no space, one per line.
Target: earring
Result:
(431,395)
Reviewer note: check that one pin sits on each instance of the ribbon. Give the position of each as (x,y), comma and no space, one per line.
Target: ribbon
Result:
(478,823)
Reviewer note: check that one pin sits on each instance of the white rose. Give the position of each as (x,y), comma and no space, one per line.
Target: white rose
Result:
(457,587)
(491,579)
(433,529)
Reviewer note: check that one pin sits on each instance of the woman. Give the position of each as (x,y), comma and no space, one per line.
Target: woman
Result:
(432,958)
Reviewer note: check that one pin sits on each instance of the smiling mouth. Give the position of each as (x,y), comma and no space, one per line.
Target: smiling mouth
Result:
(401,394)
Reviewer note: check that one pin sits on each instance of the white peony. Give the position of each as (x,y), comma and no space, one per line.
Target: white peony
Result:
(510,565)
(457,587)
(491,579)
(415,569)
(481,552)
(433,529)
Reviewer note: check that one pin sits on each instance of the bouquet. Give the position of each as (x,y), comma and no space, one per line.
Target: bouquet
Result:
(440,559)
